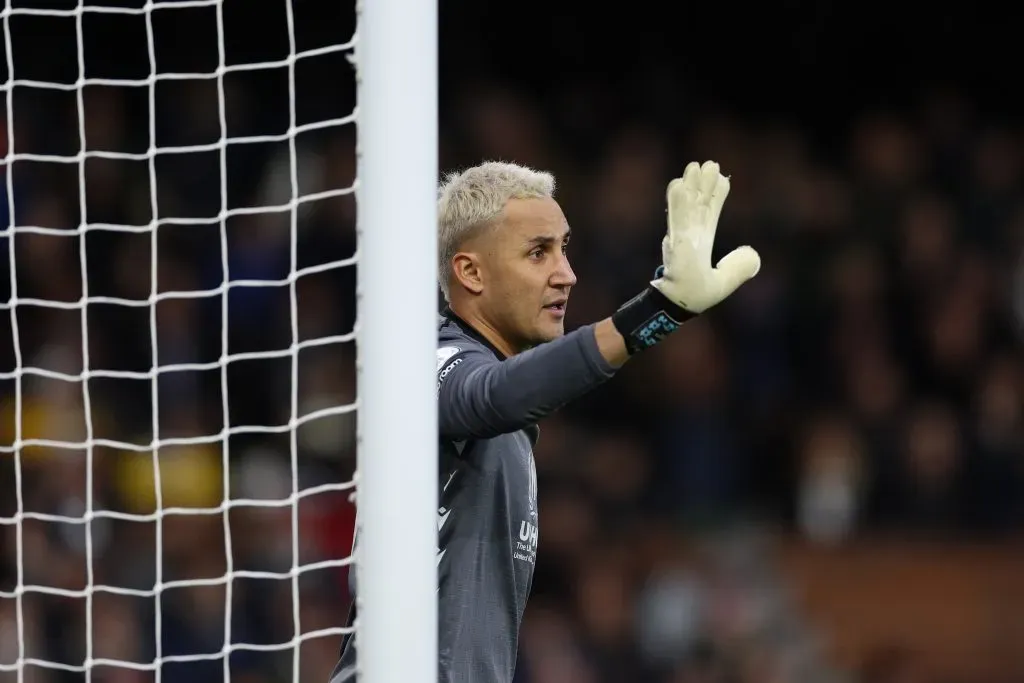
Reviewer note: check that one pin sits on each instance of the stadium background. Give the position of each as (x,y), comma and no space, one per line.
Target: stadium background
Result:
(821,481)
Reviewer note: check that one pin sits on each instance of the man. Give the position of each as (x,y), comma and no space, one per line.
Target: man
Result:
(504,362)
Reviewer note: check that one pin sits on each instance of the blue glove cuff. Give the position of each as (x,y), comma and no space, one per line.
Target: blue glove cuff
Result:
(647,318)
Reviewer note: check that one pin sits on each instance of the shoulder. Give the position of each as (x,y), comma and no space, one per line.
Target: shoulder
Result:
(453,341)
(457,348)
(446,353)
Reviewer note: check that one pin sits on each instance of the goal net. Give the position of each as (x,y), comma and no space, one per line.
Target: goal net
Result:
(196,285)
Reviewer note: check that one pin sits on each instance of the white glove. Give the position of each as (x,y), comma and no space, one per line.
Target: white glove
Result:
(694,205)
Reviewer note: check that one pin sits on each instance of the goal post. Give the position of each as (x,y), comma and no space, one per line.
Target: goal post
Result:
(396,66)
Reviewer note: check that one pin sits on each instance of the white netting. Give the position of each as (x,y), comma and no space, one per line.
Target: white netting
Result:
(178,374)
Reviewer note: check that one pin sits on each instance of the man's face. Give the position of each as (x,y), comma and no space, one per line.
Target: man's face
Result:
(527,275)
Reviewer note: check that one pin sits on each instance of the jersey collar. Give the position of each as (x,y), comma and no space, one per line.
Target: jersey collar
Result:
(471,331)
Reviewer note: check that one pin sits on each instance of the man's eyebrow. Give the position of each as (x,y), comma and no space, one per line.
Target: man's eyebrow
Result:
(541,240)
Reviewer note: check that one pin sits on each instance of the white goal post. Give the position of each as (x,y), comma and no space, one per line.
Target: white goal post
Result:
(397,94)
(392,55)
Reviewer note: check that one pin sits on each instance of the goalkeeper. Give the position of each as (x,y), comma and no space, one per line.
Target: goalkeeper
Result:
(504,362)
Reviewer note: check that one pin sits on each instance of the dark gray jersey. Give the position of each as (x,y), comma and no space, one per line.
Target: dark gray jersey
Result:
(488,526)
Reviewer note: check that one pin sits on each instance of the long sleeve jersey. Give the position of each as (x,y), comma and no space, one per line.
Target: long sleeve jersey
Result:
(487,519)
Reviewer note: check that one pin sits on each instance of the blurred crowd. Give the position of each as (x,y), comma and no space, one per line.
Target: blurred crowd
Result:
(866,384)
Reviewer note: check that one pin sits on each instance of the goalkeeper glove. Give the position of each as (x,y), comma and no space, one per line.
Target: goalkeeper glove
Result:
(686,284)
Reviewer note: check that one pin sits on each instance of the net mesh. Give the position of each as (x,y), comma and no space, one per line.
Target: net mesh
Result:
(178,368)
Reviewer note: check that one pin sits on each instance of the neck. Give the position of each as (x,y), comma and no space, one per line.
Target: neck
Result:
(484,327)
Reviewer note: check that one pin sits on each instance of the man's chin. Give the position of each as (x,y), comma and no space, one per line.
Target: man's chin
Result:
(550,331)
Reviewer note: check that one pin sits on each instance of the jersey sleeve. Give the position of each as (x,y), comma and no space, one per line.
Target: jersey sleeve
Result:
(480,397)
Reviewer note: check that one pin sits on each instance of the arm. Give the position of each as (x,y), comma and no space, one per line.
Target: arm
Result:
(611,343)
(481,397)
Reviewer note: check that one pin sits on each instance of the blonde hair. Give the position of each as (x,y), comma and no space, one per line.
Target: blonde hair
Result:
(475,198)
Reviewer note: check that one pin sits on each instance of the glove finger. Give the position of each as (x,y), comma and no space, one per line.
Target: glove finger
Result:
(709,173)
(691,176)
(735,268)
(717,201)
(679,196)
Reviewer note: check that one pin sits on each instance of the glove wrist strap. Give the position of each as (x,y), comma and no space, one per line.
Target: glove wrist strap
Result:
(647,318)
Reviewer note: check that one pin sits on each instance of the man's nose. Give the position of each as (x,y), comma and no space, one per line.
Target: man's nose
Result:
(563,275)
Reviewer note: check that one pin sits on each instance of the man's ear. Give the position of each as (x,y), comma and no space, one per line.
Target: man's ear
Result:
(468,272)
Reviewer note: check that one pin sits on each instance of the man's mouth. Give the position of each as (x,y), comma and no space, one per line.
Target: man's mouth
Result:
(558,306)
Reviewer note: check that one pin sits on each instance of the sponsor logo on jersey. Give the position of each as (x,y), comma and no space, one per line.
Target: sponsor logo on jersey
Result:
(525,549)
(444,373)
(444,353)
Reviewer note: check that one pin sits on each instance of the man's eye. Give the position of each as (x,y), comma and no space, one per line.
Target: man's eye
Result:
(537,253)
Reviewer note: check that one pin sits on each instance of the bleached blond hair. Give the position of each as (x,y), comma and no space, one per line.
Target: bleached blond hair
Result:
(474,199)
